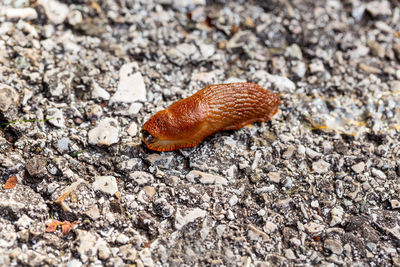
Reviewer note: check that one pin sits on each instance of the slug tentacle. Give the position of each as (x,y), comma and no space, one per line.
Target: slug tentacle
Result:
(215,108)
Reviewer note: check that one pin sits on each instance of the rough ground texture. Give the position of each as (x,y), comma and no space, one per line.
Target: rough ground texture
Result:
(317,184)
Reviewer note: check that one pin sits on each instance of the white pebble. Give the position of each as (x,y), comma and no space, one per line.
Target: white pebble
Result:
(105,133)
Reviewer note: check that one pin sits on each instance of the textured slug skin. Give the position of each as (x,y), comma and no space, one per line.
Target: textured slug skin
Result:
(215,108)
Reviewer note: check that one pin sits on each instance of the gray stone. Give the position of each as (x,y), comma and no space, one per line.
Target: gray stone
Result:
(74,263)
(163,208)
(59,82)
(395,204)
(294,51)
(94,112)
(312,153)
(206,178)
(182,53)
(376,49)
(122,239)
(24,222)
(295,241)
(93,212)
(146,257)
(337,215)
(335,246)
(56,12)
(369,69)
(240,39)
(18,13)
(299,68)
(98,92)
(36,166)
(379,8)
(128,253)
(274,177)
(129,165)
(131,86)
(183,217)
(233,200)
(8,97)
(284,84)
(105,133)
(12,161)
(186,3)
(206,50)
(256,234)
(134,108)
(289,254)
(75,17)
(378,173)
(141,177)
(383,27)
(265,189)
(56,117)
(359,167)
(301,151)
(395,86)
(234,80)
(314,228)
(63,144)
(371,246)
(220,229)
(175,56)
(257,158)
(104,251)
(316,67)
(106,184)
(270,227)
(86,245)
(358,10)
(321,166)
(289,152)
(205,77)
(22,200)
(132,129)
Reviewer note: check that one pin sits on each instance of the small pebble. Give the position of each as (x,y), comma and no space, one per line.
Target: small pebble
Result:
(379,8)
(132,129)
(274,177)
(98,92)
(105,133)
(314,228)
(369,69)
(56,12)
(378,173)
(8,97)
(206,178)
(182,217)
(56,117)
(106,184)
(131,86)
(335,246)
(359,167)
(395,204)
(376,49)
(321,166)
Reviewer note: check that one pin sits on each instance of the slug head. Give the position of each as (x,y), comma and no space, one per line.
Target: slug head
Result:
(162,132)
(174,127)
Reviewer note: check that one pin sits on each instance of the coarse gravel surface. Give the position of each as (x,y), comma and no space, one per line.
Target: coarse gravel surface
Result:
(318,184)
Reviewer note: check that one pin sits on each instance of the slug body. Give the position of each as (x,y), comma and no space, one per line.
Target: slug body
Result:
(215,108)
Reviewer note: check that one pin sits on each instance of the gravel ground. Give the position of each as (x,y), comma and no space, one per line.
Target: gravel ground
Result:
(318,184)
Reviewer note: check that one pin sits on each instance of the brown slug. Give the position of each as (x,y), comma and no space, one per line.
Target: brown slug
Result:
(215,108)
